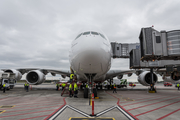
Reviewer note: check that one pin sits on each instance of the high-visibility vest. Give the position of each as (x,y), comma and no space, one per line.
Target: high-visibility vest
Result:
(86,85)
(63,84)
(56,84)
(70,87)
(114,87)
(4,85)
(177,85)
(71,76)
(27,84)
(75,87)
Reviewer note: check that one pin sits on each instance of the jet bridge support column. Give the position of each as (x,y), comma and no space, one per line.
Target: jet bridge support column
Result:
(152,89)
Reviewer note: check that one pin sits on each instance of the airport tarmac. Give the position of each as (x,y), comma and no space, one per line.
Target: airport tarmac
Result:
(47,103)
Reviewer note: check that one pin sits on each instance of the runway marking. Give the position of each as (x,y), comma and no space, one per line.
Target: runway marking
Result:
(124,111)
(30,109)
(2,111)
(39,105)
(25,113)
(105,111)
(47,118)
(142,98)
(168,114)
(82,118)
(141,102)
(151,104)
(157,108)
(7,106)
(85,114)
(34,117)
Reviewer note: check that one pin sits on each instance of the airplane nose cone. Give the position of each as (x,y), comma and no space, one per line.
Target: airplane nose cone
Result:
(91,57)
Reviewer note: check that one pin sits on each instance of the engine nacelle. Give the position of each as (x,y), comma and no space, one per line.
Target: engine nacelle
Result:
(120,76)
(145,77)
(173,78)
(63,76)
(35,77)
(129,75)
(18,75)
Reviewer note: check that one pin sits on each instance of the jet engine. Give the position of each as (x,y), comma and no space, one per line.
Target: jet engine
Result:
(120,76)
(18,75)
(173,78)
(63,76)
(35,77)
(145,77)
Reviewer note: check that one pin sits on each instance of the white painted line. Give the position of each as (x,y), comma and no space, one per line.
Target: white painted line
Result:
(126,114)
(105,111)
(78,111)
(57,113)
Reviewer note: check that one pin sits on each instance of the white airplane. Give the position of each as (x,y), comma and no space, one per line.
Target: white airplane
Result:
(90,59)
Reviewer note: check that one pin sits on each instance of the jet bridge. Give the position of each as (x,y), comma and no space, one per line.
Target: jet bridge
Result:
(163,45)
(136,63)
(121,50)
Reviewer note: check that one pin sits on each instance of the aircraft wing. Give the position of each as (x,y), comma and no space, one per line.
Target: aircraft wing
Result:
(45,71)
(113,73)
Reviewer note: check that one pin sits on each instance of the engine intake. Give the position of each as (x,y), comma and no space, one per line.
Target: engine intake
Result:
(145,78)
(120,76)
(35,77)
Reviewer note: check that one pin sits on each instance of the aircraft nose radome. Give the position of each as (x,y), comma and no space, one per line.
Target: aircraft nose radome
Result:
(91,57)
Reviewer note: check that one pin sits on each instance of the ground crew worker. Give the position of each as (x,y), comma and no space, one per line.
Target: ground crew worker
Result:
(133,85)
(86,85)
(70,90)
(63,85)
(57,86)
(114,88)
(24,86)
(71,77)
(4,87)
(178,86)
(27,87)
(75,90)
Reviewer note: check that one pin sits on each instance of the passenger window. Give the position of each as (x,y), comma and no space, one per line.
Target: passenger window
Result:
(94,33)
(78,36)
(86,33)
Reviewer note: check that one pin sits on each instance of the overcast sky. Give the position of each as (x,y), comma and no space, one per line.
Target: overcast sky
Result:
(38,33)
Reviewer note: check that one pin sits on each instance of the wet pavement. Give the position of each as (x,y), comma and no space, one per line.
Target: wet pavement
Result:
(40,104)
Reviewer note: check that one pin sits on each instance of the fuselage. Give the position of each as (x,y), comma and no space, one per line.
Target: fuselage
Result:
(90,54)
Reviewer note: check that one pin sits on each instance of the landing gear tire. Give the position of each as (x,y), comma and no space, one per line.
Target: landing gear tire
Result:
(81,87)
(101,87)
(11,86)
(86,93)
(108,87)
(95,92)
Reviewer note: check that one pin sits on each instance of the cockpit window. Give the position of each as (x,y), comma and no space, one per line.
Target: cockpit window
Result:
(86,33)
(102,35)
(94,33)
(78,36)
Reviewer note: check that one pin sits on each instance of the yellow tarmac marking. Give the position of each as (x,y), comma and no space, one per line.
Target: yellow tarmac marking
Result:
(2,111)
(7,106)
(85,118)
